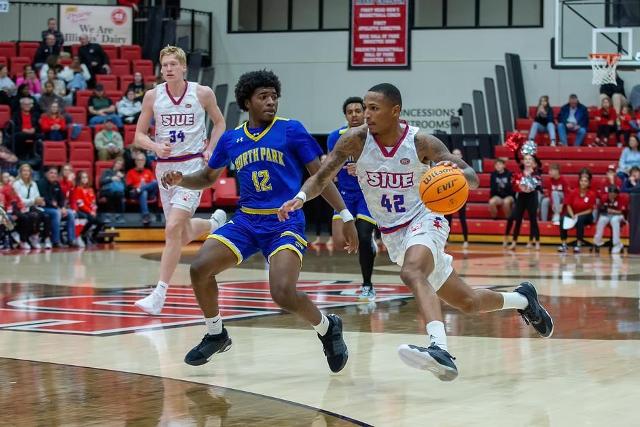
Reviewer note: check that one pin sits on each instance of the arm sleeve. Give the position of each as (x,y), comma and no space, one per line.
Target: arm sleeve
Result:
(494,185)
(220,156)
(306,148)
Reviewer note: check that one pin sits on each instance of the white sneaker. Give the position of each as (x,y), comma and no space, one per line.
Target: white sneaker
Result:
(151,304)
(217,219)
(465,245)
(79,243)
(34,240)
(617,248)
(556,219)
(25,246)
(47,243)
(367,293)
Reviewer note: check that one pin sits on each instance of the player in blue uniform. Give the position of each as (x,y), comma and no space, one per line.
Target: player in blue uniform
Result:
(269,154)
(353,109)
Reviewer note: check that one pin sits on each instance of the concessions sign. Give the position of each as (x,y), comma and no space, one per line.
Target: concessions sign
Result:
(103,24)
(379,34)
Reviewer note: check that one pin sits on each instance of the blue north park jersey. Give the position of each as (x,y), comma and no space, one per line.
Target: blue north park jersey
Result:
(270,162)
(346,183)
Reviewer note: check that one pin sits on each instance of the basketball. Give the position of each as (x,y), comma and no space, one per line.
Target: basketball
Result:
(444,189)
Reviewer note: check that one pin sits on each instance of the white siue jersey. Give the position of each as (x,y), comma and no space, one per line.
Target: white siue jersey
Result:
(390,177)
(180,120)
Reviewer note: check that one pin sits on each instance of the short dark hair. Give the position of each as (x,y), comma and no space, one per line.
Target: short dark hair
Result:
(389,91)
(352,100)
(47,169)
(633,169)
(499,160)
(586,172)
(249,82)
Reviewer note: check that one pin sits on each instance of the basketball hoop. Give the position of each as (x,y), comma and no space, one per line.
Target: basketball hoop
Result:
(604,67)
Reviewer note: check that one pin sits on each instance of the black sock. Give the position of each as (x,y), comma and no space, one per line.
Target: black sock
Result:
(366,253)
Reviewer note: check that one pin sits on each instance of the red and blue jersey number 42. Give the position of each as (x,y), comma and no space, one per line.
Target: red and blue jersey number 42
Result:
(393,205)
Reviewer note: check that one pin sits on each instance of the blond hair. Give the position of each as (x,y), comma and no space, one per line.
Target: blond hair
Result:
(176,51)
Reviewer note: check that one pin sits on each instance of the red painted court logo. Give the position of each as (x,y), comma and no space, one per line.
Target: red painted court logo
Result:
(87,313)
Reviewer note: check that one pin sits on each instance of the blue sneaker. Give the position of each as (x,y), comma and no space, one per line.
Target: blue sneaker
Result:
(367,293)
(434,359)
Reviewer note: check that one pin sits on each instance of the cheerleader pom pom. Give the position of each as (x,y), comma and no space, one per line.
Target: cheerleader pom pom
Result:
(514,141)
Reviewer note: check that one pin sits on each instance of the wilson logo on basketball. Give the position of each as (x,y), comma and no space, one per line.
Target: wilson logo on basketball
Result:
(112,312)
(405,161)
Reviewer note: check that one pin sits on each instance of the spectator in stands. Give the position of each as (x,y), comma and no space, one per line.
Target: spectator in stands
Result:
(611,212)
(59,85)
(501,190)
(29,193)
(626,123)
(76,75)
(8,160)
(543,122)
(7,86)
(610,179)
(53,124)
(554,193)
(462,213)
(92,55)
(46,49)
(142,186)
(615,92)
(129,107)
(67,181)
(49,97)
(573,117)
(18,216)
(580,206)
(52,28)
(112,187)
(138,86)
(83,201)
(57,208)
(632,183)
(27,135)
(629,157)
(31,80)
(527,184)
(23,92)
(108,142)
(101,108)
(606,120)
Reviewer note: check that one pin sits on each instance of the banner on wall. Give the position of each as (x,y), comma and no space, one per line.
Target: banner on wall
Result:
(103,24)
(379,36)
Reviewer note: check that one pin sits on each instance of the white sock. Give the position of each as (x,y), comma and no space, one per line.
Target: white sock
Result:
(514,300)
(322,327)
(161,288)
(214,325)
(437,335)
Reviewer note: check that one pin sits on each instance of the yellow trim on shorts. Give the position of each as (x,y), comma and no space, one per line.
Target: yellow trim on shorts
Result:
(253,211)
(228,244)
(288,246)
(296,236)
(366,218)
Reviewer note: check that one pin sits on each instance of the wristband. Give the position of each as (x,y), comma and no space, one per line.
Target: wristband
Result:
(346,215)
(302,196)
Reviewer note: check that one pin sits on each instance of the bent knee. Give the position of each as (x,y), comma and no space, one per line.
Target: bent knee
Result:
(283,296)
(412,277)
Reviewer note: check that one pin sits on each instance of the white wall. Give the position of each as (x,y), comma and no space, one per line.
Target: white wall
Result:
(447,65)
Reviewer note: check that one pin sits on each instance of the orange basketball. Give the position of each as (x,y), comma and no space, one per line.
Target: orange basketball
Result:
(444,189)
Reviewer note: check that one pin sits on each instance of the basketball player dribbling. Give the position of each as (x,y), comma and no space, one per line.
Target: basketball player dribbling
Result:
(391,157)
(270,154)
(180,110)
(347,182)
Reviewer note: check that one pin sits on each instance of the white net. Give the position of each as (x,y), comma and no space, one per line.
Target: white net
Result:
(604,69)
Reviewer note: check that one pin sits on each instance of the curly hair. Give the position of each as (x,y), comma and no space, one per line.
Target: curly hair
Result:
(249,82)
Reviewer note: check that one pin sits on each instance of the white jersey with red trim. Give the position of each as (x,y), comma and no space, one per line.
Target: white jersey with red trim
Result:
(180,120)
(390,179)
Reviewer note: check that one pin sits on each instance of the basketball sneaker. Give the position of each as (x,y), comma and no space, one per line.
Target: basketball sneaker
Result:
(210,345)
(434,359)
(535,314)
(367,293)
(217,219)
(334,346)
(152,303)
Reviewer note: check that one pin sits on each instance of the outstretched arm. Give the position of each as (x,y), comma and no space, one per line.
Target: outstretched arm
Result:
(204,178)
(431,149)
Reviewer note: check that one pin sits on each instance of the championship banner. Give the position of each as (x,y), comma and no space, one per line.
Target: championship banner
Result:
(103,24)
(379,34)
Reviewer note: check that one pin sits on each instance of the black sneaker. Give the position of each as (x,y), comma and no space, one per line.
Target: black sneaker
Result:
(432,358)
(210,345)
(535,314)
(334,346)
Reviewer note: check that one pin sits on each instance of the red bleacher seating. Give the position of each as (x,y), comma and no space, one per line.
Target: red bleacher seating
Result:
(74,49)
(54,153)
(78,114)
(129,134)
(110,50)
(4,61)
(523,124)
(144,66)
(5,115)
(109,81)
(125,81)
(225,192)
(8,49)
(83,165)
(81,151)
(563,153)
(130,52)
(114,95)
(28,49)
(85,134)
(206,201)
(149,79)
(82,98)
(120,67)
(480,195)
(64,61)
(16,68)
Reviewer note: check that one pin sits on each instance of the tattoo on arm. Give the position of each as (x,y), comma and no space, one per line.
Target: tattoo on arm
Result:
(431,149)
(204,178)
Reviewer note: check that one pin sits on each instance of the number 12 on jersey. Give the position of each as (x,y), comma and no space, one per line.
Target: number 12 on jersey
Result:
(397,204)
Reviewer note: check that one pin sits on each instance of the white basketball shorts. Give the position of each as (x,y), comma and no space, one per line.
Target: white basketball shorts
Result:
(178,197)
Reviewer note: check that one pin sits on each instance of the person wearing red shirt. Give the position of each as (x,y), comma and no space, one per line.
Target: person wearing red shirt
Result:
(53,124)
(142,185)
(611,212)
(68,181)
(17,213)
(83,201)
(625,124)
(580,206)
(606,122)
(610,179)
(554,192)
(527,183)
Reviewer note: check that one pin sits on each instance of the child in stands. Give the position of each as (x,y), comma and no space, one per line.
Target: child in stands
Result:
(606,120)
(612,209)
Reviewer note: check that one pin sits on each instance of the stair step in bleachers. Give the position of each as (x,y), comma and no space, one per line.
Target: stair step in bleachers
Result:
(564,153)
(547,229)
(567,167)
